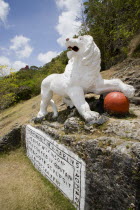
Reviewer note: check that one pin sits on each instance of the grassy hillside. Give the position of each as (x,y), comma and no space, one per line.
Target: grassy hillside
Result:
(23,187)
(26,83)
(22,113)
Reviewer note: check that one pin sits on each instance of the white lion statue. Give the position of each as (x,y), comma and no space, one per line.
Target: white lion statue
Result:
(81,76)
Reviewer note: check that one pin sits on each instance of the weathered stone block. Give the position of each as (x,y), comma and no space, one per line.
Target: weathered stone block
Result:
(112,174)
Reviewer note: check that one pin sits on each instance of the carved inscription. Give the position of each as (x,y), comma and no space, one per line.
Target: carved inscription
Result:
(58,164)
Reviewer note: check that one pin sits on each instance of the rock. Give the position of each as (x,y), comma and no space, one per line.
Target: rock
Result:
(112,176)
(112,163)
(124,128)
(136,149)
(51,131)
(102,119)
(37,120)
(68,139)
(89,129)
(11,140)
(135,100)
(71,125)
(55,125)
(73,113)
(128,71)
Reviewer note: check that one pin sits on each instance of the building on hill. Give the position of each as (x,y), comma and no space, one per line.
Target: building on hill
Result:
(25,68)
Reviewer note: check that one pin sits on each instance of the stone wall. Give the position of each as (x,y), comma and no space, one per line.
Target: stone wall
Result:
(112,165)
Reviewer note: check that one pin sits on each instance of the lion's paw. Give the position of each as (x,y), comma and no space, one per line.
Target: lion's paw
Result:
(129,91)
(90,115)
(41,114)
(55,115)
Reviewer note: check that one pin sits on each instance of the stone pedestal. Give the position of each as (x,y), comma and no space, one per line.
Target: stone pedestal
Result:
(58,164)
(94,169)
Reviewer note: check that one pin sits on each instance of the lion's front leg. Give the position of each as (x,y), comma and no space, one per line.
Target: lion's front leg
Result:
(76,94)
(104,86)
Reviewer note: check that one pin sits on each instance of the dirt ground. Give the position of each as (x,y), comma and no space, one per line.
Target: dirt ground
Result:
(22,113)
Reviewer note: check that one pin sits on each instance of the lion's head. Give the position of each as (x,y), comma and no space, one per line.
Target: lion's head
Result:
(84,48)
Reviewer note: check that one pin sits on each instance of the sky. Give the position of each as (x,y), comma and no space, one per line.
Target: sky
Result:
(32,32)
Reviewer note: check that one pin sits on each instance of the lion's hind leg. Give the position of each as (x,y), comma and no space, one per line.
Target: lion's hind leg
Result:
(68,102)
(46,96)
(46,99)
(55,112)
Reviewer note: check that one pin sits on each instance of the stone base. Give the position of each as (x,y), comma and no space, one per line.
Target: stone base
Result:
(112,163)
(58,164)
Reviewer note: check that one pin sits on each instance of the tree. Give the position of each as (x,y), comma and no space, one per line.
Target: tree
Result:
(3,70)
(112,23)
(34,67)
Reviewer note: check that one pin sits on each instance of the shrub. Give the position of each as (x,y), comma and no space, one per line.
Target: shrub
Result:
(7,100)
(23,93)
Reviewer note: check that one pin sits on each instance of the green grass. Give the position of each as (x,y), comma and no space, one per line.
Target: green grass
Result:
(24,188)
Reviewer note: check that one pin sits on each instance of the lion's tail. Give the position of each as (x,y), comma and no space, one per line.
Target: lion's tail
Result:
(54,107)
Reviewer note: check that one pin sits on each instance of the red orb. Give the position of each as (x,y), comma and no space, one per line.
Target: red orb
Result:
(116,103)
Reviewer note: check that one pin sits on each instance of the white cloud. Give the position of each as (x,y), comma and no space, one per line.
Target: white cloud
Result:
(17,65)
(4,66)
(68,23)
(4,10)
(4,61)
(20,45)
(26,52)
(47,57)
(18,42)
(4,51)
(10,66)
(71,5)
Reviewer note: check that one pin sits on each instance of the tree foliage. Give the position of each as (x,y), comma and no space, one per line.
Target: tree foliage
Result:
(4,70)
(112,23)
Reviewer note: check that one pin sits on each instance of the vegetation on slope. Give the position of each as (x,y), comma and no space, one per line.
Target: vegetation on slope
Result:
(26,83)
(112,23)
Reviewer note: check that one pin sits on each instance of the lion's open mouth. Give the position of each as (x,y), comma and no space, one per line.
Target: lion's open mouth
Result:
(75,48)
